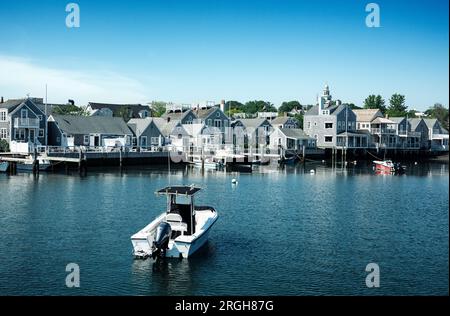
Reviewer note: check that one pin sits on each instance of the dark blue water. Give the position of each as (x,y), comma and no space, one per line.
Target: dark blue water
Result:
(279,232)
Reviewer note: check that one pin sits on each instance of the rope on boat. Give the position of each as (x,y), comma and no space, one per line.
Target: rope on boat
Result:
(373,155)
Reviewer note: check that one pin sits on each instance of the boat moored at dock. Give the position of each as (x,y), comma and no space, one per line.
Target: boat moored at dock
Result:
(178,232)
(388,167)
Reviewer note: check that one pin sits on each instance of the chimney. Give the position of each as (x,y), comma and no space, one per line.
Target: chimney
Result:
(222,106)
(1,100)
(71,102)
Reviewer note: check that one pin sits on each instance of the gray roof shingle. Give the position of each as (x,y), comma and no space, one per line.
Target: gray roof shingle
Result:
(296,133)
(73,124)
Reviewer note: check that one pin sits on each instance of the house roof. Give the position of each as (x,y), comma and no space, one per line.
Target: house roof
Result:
(334,109)
(280,120)
(177,115)
(383,120)
(135,108)
(204,113)
(296,133)
(10,105)
(253,122)
(397,119)
(414,122)
(430,122)
(367,115)
(139,124)
(164,126)
(73,124)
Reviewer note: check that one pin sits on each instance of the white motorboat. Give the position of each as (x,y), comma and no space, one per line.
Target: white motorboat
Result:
(207,163)
(44,165)
(178,232)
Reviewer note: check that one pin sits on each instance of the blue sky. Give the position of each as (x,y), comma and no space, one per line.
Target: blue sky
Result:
(191,51)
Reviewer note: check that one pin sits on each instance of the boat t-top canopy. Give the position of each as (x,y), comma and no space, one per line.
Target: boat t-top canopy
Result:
(179,190)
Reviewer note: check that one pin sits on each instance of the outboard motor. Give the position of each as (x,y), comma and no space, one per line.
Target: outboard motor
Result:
(161,242)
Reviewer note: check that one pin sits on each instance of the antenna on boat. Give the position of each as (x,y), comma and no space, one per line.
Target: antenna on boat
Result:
(168,163)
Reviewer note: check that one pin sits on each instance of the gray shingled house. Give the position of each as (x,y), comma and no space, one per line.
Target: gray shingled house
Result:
(22,120)
(72,130)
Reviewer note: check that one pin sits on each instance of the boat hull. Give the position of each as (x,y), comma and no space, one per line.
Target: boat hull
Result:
(182,246)
(29,167)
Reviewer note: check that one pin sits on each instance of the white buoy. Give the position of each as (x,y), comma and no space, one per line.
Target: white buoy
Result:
(323,161)
(312,171)
(234,181)
(415,163)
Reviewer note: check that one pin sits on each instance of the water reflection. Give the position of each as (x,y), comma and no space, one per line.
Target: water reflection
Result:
(171,276)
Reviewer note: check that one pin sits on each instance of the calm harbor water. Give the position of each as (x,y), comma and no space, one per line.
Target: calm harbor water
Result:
(280,232)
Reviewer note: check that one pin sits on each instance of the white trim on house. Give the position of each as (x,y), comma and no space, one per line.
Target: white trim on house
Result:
(3,115)
(3,133)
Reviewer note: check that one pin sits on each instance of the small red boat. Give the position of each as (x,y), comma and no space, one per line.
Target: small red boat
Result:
(389,167)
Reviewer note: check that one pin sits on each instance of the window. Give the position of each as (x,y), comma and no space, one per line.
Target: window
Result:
(309,124)
(144,141)
(180,136)
(218,114)
(315,123)
(3,116)
(24,113)
(209,122)
(218,123)
(328,125)
(328,139)
(40,117)
(41,132)
(58,139)
(86,139)
(3,133)
(154,140)
(226,123)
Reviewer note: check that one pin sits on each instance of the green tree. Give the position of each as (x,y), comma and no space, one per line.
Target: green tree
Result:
(158,108)
(353,106)
(397,106)
(375,102)
(4,146)
(440,113)
(123,112)
(289,106)
(299,119)
(232,107)
(252,107)
(70,109)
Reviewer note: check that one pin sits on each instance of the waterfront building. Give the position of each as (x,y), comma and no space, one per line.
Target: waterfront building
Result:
(284,122)
(333,125)
(437,135)
(418,125)
(257,131)
(92,131)
(146,133)
(185,116)
(126,111)
(23,121)
(291,139)
(214,116)
(406,138)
